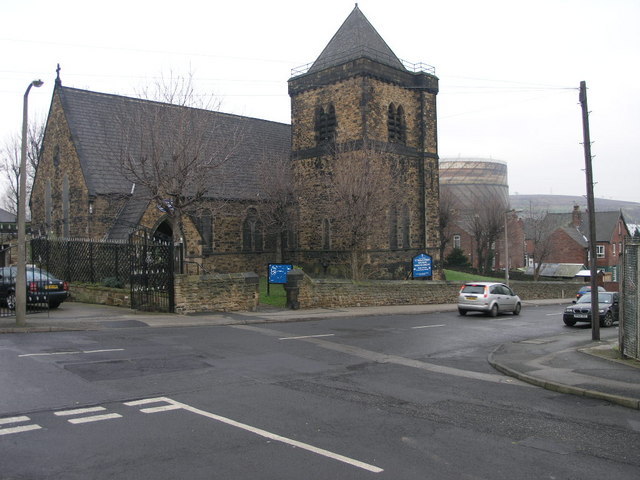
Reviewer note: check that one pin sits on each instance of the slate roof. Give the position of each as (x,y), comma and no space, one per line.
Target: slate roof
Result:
(103,126)
(606,223)
(563,270)
(7,217)
(129,217)
(356,38)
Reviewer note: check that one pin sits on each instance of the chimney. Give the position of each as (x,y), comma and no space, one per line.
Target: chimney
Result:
(576,216)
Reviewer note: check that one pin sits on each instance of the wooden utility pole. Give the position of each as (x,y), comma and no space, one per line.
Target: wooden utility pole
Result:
(595,314)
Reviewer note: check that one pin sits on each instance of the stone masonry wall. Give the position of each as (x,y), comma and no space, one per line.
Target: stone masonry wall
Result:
(344,293)
(216,293)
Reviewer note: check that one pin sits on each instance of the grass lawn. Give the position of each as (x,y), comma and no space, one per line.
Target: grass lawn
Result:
(277,296)
(453,276)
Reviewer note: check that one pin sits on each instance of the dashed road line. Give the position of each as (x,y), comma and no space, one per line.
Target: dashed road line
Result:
(18,429)
(427,326)
(90,418)
(72,352)
(95,418)
(308,336)
(79,411)
(392,359)
(173,405)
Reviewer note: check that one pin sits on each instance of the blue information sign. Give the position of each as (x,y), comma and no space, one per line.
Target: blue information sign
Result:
(278,272)
(422,265)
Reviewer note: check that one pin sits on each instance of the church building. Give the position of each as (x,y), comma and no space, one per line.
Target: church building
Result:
(264,191)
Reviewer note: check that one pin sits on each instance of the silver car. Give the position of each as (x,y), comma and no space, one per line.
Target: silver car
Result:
(488,297)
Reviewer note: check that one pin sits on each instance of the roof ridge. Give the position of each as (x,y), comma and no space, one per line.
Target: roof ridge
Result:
(165,104)
(356,37)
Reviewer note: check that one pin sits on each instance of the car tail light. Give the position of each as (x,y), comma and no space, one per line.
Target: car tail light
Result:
(486,292)
(65,286)
(33,287)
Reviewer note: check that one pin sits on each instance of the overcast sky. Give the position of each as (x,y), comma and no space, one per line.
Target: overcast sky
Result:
(509,70)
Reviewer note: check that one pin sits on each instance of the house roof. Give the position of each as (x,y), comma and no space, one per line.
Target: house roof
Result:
(7,217)
(606,224)
(104,127)
(563,270)
(356,38)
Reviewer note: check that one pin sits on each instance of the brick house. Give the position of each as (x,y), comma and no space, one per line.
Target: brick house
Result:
(357,92)
(461,236)
(568,235)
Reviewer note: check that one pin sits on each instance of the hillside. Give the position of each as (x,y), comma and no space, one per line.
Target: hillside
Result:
(565,203)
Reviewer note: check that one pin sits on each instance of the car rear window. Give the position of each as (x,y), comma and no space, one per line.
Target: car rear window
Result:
(473,289)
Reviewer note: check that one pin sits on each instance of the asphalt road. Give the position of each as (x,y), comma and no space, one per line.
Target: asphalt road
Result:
(398,397)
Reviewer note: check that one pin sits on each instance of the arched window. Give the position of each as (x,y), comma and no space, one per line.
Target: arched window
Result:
(204,224)
(65,207)
(326,124)
(396,125)
(393,228)
(326,234)
(252,232)
(406,227)
(48,207)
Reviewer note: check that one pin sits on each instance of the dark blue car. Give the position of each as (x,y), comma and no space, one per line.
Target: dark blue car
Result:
(42,288)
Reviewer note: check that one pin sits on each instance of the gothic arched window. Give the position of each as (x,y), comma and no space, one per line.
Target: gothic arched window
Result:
(396,124)
(406,227)
(326,124)
(252,232)
(326,234)
(393,228)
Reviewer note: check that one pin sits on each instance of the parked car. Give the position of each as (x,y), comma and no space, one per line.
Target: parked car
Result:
(488,297)
(42,287)
(580,311)
(586,289)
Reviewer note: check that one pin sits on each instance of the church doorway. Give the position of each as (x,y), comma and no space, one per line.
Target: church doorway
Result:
(163,232)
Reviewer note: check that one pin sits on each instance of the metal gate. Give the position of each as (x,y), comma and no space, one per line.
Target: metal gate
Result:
(152,287)
(629,329)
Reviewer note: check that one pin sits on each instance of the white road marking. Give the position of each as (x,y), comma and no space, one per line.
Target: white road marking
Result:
(90,418)
(428,326)
(18,429)
(554,314)
(257,431)
(104,350)
(24,428)
(79,411)
(48,354)
(75,352)
(94,418)
(308,336)
(394,359)
(6,421)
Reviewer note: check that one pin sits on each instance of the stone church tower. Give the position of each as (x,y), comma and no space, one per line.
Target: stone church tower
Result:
(359,97)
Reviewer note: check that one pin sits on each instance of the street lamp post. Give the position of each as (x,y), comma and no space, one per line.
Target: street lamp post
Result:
(21,277)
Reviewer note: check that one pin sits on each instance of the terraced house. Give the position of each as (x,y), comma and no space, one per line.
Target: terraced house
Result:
(262,191)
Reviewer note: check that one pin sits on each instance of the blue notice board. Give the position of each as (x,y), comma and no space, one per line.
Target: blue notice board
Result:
(422,266)
(278,272)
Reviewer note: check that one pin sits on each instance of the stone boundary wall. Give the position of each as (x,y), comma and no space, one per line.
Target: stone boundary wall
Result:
(100,295)
(345,293)
(216,293)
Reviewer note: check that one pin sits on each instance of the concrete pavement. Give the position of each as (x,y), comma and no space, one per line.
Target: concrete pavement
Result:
(564,363)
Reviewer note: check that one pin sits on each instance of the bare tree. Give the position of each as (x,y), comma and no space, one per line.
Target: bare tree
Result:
(485,221)
(10,162)
(540,228)
(359,193)
(175,151)
(447,216)
(277,209)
